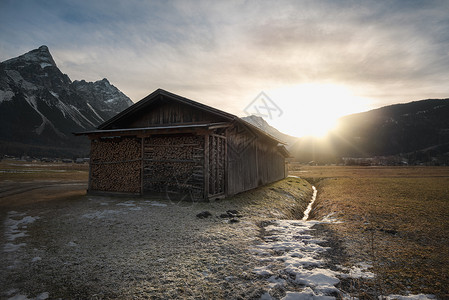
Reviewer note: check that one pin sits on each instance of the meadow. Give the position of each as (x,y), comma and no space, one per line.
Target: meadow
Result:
(395,218)
(30,182)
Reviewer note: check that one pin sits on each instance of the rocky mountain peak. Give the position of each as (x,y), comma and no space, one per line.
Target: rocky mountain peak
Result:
(40,106)
(39,56)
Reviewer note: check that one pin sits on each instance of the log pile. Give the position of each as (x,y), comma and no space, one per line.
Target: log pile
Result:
(119,177)
(174,164)
(116,165)
(115,150)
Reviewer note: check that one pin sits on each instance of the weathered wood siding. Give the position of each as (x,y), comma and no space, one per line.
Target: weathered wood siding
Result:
(115,165)
(251,161)
(167,112)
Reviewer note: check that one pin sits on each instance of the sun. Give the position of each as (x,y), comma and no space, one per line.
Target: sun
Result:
(313,109)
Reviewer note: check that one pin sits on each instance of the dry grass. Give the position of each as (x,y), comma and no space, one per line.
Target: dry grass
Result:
(25,183)
(395,217)
(19,171)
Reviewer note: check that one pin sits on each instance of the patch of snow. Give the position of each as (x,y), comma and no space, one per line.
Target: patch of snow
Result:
(266,296)
(289,241)
(42,296)
(262,271)
(6,95)
(19,297)
(330,219)
(127,203)
(309,207)
(93,110)
(11,292)
(360,270)
(15,225)
(32,101)
(56,95)
(100,214)
(155,203)
(13,236)
(135,208)
(276,281)
(306,294)
(111,100)
(44,65)
(81,115)
(35,259)
(12,247)
(409,297)
(72,244)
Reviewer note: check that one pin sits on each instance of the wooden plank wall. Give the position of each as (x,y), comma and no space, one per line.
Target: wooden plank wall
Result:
(251,161)
(168,112)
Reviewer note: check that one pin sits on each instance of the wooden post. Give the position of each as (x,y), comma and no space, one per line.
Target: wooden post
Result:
(226,160)
(90,167)
(142,165)
(206,166)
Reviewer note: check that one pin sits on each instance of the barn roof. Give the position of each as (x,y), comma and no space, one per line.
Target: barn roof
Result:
(151,98)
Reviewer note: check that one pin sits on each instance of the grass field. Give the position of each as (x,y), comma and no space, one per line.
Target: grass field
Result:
(25,183)
(396,218)
(25,171)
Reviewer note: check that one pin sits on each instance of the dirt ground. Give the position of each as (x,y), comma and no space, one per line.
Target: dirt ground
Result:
(91,247)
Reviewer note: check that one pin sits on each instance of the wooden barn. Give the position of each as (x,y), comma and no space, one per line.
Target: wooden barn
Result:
(169,145)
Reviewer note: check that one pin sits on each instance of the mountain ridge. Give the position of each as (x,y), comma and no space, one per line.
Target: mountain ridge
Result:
(260,123)
(417,131)
(40,106)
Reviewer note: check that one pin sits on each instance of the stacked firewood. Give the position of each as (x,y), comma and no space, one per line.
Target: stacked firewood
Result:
(116,165)
(176,147)
(115,149)
(173,163)
(120,177)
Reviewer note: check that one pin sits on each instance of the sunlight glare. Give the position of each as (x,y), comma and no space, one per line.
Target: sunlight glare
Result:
(313,109)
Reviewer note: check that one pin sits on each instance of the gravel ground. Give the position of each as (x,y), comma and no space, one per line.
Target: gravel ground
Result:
(105,247)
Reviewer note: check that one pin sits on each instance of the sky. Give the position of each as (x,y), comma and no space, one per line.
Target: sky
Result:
(300,64)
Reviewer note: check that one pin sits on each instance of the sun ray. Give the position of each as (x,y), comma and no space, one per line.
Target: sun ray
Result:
(313,109)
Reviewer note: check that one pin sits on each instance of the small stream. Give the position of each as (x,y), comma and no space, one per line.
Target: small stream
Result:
(309,207)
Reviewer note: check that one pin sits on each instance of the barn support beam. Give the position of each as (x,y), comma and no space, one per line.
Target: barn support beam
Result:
(142,164)
(206,166)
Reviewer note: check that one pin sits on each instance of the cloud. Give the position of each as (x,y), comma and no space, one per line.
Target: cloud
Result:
(226,53)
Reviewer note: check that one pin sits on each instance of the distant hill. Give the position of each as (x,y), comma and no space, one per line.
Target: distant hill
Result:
(417,131)
(260,123)
(40,107)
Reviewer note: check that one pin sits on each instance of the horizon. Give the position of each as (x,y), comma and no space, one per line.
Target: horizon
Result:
(313,67)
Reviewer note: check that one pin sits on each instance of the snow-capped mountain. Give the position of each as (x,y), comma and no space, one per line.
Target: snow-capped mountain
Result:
(40,106)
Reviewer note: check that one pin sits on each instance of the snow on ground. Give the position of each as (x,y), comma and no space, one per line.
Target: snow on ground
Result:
(410,297)
(290,242)
(41,296)
(15,227)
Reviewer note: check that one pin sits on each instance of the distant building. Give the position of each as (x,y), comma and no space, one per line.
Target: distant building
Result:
(172,145)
